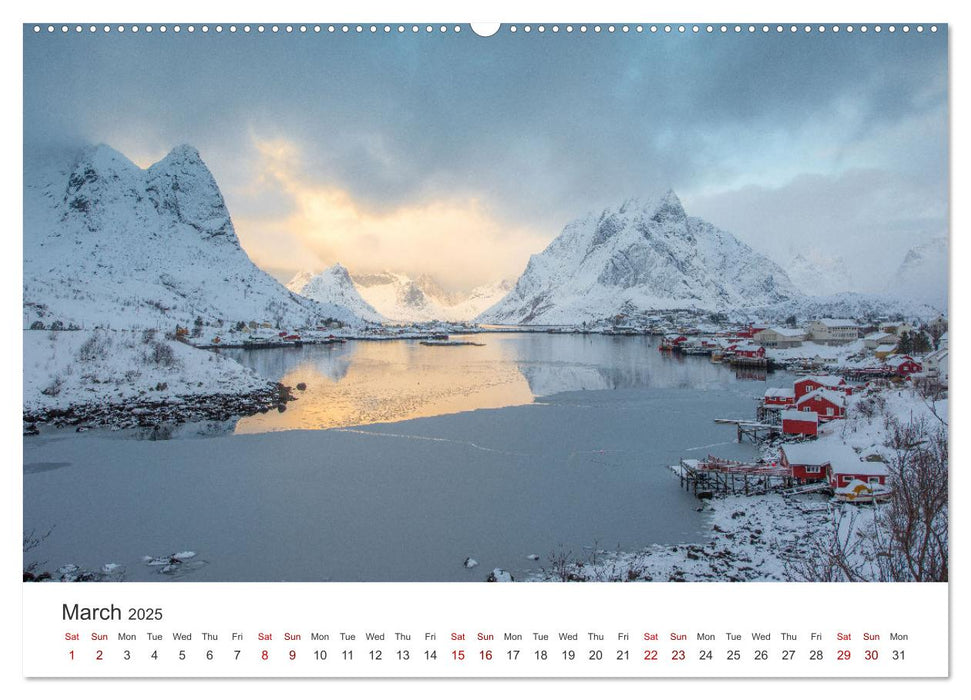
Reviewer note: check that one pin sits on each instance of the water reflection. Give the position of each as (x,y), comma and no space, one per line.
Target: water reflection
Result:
(554,363)
(359,383)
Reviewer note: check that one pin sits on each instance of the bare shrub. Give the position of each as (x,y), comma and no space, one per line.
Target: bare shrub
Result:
(33,540)
(564,567)
(160,353)
(54,388)
(94,347)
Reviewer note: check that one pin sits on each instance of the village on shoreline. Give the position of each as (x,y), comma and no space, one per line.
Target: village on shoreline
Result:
(838,464)
(153,376)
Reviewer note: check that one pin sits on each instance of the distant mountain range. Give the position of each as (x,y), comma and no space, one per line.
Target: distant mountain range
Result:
(108,243)
(396,297)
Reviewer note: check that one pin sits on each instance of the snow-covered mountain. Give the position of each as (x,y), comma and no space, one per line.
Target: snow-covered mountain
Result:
(645,254)
(480,299)
(334,286)
(923,274)
(818,275)
(107,243)
(402,299)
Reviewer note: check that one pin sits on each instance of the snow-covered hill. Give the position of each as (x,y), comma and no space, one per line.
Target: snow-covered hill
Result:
(923,274)
(109,244)
(844,305)
(402,299)
(645,254)
(817,275)
(334,286)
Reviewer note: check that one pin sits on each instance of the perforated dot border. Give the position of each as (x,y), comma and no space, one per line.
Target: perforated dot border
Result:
(424,29)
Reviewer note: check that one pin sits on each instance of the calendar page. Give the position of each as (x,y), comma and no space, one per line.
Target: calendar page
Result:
(423,349)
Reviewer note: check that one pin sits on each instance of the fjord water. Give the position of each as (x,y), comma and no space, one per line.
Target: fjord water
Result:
(400,460)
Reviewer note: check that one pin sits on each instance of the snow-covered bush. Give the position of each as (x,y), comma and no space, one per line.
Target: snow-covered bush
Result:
(159,353)
(94,347)
(54,388)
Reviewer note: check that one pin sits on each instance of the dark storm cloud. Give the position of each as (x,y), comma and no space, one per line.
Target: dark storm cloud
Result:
(541,127)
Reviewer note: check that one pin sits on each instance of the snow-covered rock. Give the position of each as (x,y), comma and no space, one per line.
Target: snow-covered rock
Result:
(645,254)
(499,576)
(334,286)
(109,244)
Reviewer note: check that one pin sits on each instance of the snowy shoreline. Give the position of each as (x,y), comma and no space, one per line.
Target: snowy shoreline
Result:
(172,409)
(122,379)
(751,538)
(768,537)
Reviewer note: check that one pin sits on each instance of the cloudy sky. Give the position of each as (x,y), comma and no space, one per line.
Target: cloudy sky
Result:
(460,156)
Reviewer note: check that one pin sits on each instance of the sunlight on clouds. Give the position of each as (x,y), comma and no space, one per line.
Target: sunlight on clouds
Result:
(454,239)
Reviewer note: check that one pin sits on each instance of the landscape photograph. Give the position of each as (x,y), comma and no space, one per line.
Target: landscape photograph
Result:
(566,303)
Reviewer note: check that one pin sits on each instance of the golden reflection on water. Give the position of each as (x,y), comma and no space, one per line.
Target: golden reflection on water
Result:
(413,381)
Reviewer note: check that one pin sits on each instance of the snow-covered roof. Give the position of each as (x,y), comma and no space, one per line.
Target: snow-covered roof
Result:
(845,464)
(787,332)
(792,414)
(748,346)
(835,397)
(836,322)
(885,348)
(779,392)
(823,379)
(899,360)
(878,335)
(810,453)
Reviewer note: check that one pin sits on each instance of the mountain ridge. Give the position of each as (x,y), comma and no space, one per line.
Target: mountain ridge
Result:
(107,243)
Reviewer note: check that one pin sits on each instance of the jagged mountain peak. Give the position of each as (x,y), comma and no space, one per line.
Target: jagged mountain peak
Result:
(108,243)
(645,254)
(338,271)
(184,152)
(334,286)
(662,206)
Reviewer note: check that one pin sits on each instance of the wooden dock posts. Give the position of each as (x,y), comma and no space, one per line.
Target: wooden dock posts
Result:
(752,429)
(706,478)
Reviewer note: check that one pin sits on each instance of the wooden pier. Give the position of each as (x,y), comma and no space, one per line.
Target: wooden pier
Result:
(750,428)
(714,476)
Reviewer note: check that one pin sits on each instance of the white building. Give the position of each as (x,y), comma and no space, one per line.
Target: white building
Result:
(834,330)
(875,340)
(777,337)
(936,364)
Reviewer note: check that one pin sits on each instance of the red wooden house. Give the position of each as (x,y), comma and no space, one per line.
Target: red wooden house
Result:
(904,365)
(779,396)
(825,403)
(805,461)
(799,422)
(751,331)
(842,471)
(812,382)
(749,350)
